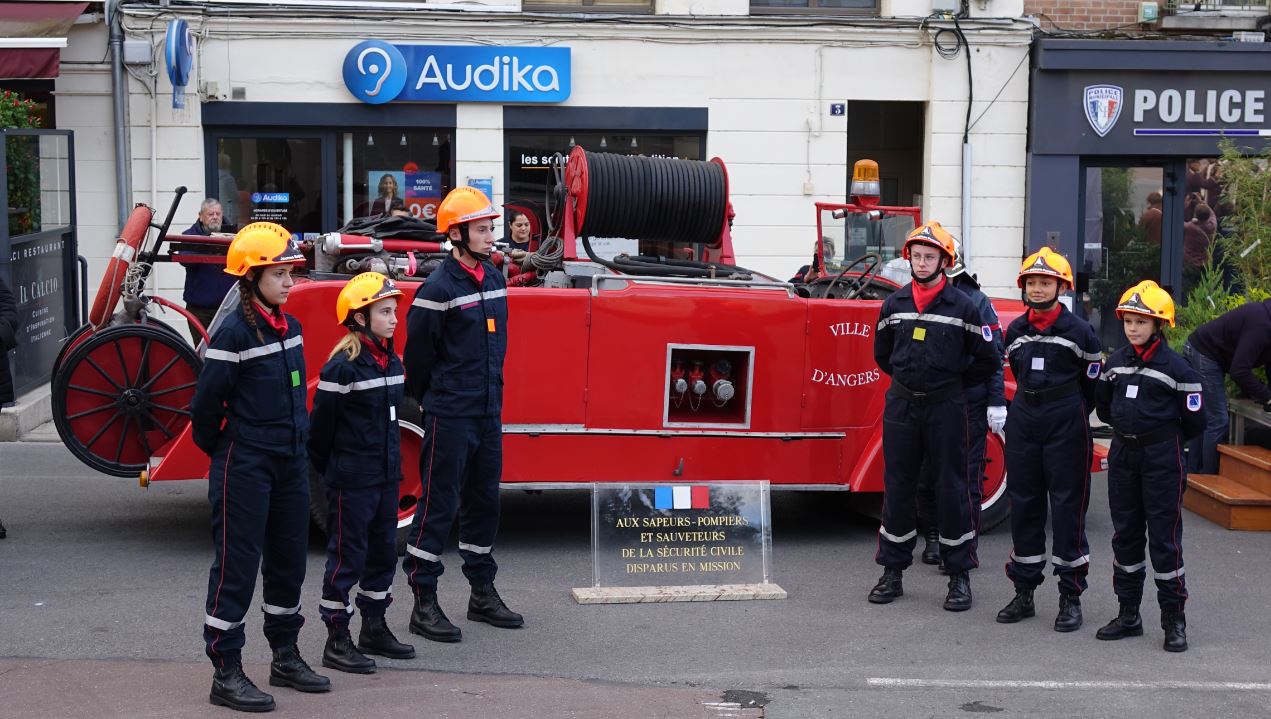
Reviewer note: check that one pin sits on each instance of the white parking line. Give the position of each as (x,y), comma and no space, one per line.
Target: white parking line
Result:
(897,683)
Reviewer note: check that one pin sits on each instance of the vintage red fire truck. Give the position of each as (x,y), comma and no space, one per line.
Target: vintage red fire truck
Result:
(666,363)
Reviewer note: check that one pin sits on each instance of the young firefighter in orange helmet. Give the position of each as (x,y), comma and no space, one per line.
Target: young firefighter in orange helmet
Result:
(1055,357)
(932,341)
(1152,398)
(249,415)
(454,367)
(356,446)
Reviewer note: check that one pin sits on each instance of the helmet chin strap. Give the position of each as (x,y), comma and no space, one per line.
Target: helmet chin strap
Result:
(1042,306)
(924,280)
(464,246)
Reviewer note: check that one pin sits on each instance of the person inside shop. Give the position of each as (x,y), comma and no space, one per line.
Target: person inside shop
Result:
(1232,344)
(1198,233)
(206,284)
(1150,220)
(455,345)
(933,344)
(8,340)
(1056,358)
(249,415)
(519,228)
(1152,399)
(389,201)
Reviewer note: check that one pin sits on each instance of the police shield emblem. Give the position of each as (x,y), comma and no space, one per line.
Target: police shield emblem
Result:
(1193,402)
(1092,370)
(987,332)
(1103,107)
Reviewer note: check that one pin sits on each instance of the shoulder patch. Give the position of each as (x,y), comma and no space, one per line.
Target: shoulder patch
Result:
(1193,402)
(987,332)
(1092,370)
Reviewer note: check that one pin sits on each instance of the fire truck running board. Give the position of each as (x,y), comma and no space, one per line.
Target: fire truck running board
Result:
(535,429)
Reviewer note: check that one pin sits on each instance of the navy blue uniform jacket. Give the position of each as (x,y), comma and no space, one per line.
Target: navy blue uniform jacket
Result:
(354,440)
(946,343)
(456,338)
(1167,393)
(256,388)
(1067,351)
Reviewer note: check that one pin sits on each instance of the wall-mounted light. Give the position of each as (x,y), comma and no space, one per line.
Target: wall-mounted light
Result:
(603,143)
(634,143)
(571,141)
(403,142)
(370,140)
(435,140)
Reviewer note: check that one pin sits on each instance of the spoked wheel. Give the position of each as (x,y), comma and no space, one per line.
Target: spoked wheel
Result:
(122,393)
(69,344)
(995,507)
(408,494)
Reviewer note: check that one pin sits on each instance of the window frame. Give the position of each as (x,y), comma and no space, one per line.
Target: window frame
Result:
(808,9)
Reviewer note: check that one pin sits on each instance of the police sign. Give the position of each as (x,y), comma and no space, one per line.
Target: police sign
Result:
(377,72)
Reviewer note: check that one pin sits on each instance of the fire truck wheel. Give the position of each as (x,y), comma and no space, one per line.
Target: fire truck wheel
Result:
(995,506)
(68,344)
(123,392)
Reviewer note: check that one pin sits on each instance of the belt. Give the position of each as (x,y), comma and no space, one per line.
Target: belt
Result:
(1050,394)
(925,398)
(1139,441)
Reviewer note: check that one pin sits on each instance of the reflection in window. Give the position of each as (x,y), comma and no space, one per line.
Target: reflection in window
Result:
(271,179)
(393,171)
(1203,210)
(1122,243)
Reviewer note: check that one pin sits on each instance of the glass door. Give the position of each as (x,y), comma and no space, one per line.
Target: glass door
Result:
(266,176)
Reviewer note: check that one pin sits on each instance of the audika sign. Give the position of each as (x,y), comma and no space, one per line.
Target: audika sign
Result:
(377,72)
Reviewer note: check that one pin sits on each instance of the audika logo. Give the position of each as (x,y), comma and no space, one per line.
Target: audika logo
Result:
(375,72)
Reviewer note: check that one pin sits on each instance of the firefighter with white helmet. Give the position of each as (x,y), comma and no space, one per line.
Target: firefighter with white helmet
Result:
(455,346)
(932,341)
(249,415)
(1153,399)
(1056,358)
(355,445)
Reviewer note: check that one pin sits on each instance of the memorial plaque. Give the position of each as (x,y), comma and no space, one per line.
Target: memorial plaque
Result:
(689,542)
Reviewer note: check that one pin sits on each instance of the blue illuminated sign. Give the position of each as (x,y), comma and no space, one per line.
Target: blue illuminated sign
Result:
(376,72)
(268,197)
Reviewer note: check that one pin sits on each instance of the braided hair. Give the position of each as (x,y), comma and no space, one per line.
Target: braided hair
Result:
(249,312)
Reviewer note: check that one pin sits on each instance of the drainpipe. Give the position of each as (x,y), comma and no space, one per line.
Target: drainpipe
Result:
(119,91)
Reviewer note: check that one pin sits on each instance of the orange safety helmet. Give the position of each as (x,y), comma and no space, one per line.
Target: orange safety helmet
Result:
(1148,299)
(261,244)
(362,291)
(464,204)
(931,234)
(1045,263)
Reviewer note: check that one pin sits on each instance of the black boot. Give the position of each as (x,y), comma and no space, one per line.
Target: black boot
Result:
(288,669)
(1069,618)
(931,553)
(377,638)
(959,597)
(487,606)
(1020,608)
(231,688)
(1127,624)
(888,588)
(3,532)
(428,621)
(341,655)
(1175,626)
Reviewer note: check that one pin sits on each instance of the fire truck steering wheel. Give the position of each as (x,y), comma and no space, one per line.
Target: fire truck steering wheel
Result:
(857,284)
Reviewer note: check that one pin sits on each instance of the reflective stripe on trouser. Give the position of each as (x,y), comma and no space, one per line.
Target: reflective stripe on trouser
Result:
(459,467)
(260,511)
(1145,495)
(1048,450)
(361,551)
(977,427)
(935,433)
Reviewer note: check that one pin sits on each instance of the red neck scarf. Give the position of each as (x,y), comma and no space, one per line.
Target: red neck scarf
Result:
(478,272)
(1042,320)
(377,354)
(924,295)
(277,321)
(1146,351)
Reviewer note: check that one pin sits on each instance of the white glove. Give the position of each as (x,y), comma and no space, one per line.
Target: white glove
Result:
(997,419)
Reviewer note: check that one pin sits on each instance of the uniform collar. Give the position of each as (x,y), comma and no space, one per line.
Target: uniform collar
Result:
(277,322)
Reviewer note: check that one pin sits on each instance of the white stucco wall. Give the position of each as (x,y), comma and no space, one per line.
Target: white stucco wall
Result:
(767,87)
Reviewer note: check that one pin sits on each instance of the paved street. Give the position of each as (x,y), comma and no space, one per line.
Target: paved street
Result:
(101,590)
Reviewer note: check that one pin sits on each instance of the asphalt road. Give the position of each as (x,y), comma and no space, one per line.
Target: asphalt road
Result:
(101,591)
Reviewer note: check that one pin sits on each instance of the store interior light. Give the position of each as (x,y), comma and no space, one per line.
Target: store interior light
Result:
(435,140)
(603,143)
(370,140)
(634,143)
(571,141)
(403,142)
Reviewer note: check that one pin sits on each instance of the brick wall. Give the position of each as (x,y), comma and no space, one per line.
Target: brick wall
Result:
(1085,14)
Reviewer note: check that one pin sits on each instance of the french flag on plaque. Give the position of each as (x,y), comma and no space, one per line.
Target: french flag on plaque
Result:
(681,497)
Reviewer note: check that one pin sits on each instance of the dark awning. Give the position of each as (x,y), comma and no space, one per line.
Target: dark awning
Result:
(32,35)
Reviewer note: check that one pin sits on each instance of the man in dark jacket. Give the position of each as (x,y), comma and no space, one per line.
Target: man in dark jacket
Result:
(1233,344)
(8,340)
(206,284)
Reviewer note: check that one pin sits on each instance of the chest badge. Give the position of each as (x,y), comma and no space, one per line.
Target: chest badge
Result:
(986,332)
(489,324)
(295,378)
(920,334)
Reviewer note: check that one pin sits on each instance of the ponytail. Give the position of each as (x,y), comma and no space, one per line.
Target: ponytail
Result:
(349,344)
(249,312)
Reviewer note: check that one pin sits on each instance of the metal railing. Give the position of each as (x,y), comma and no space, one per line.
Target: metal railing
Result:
(1183,7)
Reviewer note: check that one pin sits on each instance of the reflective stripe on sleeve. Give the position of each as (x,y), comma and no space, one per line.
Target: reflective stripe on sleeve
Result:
(893,538)
(222,355)
(1132,568)
(960,540)
(221,624)
(426,556)
(1154,374)
(1168,575)
(272,609)
(327,386)
(897,318)
(475,549)
(336,606)
(429,304)
(459,301)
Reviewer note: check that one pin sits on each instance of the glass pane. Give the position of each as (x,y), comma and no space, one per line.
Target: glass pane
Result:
(270,179)
(589,3)
(778,3)
(855,4)
(1122,243)
(393,171)
(55,181)
(1202,218)
(22,169)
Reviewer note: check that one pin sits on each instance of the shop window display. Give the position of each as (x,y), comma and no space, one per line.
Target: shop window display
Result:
(271,179)
(393,171)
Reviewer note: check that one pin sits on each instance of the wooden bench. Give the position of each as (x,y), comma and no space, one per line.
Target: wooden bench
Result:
(1242,410)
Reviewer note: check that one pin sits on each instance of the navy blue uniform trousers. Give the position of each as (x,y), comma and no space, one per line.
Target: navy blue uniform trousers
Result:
(1048,448)
(460,465)
(1145,491)
(259,500)
(939,434)
(361,550)
(978,426)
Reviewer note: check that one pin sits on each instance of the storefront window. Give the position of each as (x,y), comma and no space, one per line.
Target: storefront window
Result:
(856,6)
(393,171)
(271,179)
(1203,212)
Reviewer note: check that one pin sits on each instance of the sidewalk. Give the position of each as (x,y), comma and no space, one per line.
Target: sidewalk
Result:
(126,688)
